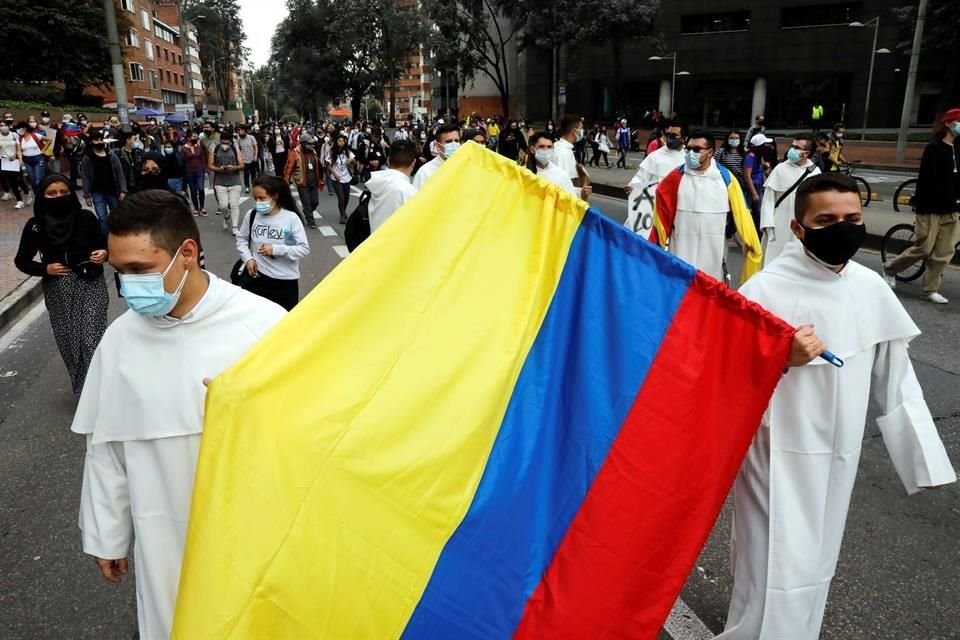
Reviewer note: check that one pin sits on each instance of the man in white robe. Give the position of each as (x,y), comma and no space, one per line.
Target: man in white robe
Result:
(142,406)
(643,185)
(781,187)
(445,143)
(793,491)
(571,133)
(690,214)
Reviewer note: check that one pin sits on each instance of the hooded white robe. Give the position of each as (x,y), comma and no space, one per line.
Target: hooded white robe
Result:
(423,173)
(142,412)
(640,205)
(776,220)
(793,490)
(699,229)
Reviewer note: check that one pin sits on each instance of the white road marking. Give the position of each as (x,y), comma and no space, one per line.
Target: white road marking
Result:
(341,250)
(13,334)
(683,624)
(328,232)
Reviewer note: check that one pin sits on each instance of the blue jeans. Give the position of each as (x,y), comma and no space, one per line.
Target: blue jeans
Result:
(36,170)
(175,184)
(197,194)
(103,204)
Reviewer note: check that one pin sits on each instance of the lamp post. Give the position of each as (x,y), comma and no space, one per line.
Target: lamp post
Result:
(673,77)
(873,56)
(911,81)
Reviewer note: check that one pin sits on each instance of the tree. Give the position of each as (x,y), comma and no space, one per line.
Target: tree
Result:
(221,35)
(356,40)
(66,44)
(305,67)
(477,34)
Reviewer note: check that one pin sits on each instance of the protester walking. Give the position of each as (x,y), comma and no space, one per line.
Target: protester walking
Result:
(937,203)
(33,145)
(271,242)
(602,144)
(195,165)
(71,247)
(623,144)
(226,164)
(754,174)
(104,183)
(248,148)
(340,163)
(11,163)
(304,168)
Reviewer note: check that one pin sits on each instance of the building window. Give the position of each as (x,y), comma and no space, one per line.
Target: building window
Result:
(168,75)
(154,82)
(176,78)
(166,54)
(145,19)
(179,59)
(128,5)
(148,49)
(715,22)
(133,39)
(158,50)
(820,15)
(136,72)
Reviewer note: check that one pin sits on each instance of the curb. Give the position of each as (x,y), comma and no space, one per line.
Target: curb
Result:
(19,300)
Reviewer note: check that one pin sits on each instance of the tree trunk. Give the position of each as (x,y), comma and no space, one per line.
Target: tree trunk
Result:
(393,101)
(505,102)
(355,100)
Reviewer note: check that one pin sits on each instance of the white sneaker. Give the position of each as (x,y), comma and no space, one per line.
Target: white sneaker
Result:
(935,298)
(29,199)
(234,231)
(890,280)
(19,205)
(6,196)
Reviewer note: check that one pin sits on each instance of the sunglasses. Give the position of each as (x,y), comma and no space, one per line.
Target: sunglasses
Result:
(698,149)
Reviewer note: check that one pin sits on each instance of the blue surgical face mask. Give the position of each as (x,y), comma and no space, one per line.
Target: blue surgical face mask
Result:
(544,156)
(168,150)
(263,208)
(137,144)
(450,148)
(579,135)
(692,159)
(956,129)
(793,155)
(145,293)
(734,142)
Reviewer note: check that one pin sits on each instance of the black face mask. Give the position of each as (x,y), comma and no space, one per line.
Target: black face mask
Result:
(835,244)
(674,143)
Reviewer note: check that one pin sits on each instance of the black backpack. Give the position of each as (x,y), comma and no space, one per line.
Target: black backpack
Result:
(358,224)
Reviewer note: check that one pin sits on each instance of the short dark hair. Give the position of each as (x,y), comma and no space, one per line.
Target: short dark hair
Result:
(706,135)
(402,153)
(537,137)
(447,128)
(677,123)
(821,137)
(163,214)
(568,123)
(839,126)
(806,137)
(470,134)
(820,184)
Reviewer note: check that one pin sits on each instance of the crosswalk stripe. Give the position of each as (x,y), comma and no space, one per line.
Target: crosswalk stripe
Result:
(341,250)
(328,232)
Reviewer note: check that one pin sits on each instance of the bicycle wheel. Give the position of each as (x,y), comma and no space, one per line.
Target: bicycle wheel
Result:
(904,195)
(895,241)
(865,192)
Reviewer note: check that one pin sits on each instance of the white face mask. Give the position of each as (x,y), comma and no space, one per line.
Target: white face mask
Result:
(544,156)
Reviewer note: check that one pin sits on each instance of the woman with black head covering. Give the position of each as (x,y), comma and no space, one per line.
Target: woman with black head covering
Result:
(72,249)
(152,175)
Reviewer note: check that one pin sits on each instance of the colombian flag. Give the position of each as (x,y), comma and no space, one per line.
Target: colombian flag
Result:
(503,416)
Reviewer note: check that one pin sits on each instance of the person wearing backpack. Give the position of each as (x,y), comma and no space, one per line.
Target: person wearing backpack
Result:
(226,165)
(780,193)
(391,187)
(305,169)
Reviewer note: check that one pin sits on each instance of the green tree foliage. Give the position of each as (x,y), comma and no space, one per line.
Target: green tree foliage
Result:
(63,41)
(221,35)
(306,70)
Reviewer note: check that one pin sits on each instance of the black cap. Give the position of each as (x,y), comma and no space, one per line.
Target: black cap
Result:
(44,114)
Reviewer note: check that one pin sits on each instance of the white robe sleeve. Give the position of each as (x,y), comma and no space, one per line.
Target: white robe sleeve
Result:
(907,427)
(105,521)
(768,211)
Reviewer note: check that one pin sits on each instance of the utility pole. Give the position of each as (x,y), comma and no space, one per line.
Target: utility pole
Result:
(185,46)
(253,99)
(911,82)
(116,62)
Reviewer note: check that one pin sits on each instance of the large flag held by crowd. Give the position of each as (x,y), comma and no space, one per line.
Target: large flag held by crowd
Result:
(503,416)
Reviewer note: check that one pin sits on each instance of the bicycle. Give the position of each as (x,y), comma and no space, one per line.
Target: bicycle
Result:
(866,193)
(895,241)
(905,194)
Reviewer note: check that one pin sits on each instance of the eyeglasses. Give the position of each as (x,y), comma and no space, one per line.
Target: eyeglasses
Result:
(698,149)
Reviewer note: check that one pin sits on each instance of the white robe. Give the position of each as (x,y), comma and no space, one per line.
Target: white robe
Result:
(776,220)
(699,228)
(563,157)
(142,412)
(553,173)
(793,491)
(641,201)
(427,170)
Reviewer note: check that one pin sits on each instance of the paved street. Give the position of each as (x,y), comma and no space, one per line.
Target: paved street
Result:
(897,576)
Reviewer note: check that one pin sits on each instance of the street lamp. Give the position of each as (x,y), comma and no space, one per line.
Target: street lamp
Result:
(873,56)
(673,77)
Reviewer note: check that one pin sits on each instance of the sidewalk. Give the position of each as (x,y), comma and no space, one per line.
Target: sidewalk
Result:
(17,290)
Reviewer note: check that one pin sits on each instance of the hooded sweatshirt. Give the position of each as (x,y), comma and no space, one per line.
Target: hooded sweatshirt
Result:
(389,189)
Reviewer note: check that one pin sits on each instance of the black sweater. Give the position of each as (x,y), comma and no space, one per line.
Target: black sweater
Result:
(87,237)
(938,185)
